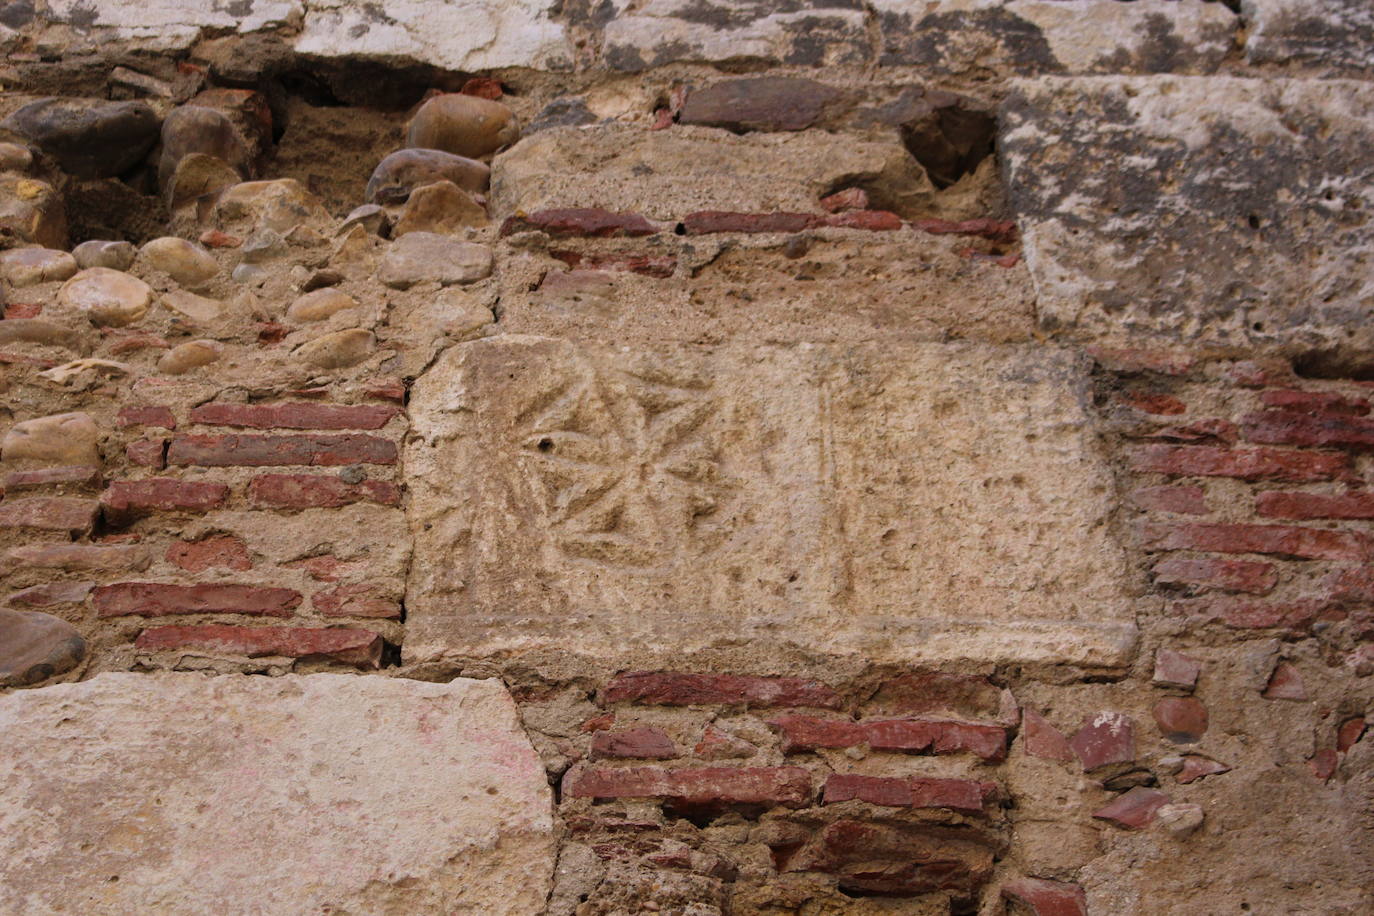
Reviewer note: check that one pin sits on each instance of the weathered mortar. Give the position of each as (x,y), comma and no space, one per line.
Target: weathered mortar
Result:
(878,458)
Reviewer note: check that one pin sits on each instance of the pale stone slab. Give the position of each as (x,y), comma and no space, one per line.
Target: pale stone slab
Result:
(464,35)
(910,502)
(1330,33)
(177,793)
(644,35)
(1055,36)
(173,24)
(1220,209)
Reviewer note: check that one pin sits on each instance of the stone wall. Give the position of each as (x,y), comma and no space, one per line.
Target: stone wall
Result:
(746,457)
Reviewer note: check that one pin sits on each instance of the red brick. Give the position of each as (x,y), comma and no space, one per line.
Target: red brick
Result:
(1324,763)
(218,552)
(213,238)
(996,230)
(729,785)
(1244,464)
(50,594)
(317,491)
(580,221)
(1105,738)
(1246,614)
(716,744)
(294,415)
(1288,504)
(1213,572)
(943,693)
(129,499)
(484,87)
(1135,809)
(1210,431)
(705,222)
(1174,669)
(17,311)
(938,736)
(324,568)
(848,199)
(79,556)
(68,476)
(1042,739)
(146,416)
(1284,427)
(50,513)
(1349,734)
(870,220)
(965,795)
(1133,361)
(1179,500)
(1196,766)
(387,390)
(1047,898)
(660,266)
(644,743)
(667,688)
(1315,402)
(147,453)
(1285,683)
(1257,373)
(355,600)
(267,451)
(157,599)
(1352,584)
(1183,720)
(361,648)
(1280,540)
(271,332)
(1158,404)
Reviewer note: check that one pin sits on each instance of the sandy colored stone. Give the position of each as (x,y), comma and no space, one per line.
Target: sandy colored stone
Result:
(400,173)
(37,330)
(36,646)
(31,213)
(191,355)
(107,297)
(426,257)
(666,175)
(99,253)
(890,500)
(193,129)
(338,350)
(1330,34)
(15,158)
(195,183)
(60,439)
(31,266)
(185,262)
(391,796)
(320,304)
(441,207)
(192,307)
(1221,209)
(279,205)
(463,125)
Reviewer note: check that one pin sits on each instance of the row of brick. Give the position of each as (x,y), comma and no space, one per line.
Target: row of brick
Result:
(165,599)
(789,786)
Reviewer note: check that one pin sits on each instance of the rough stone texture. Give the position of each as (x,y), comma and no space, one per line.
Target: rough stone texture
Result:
(449,813)
(35,647)
(1332,34)
(675,490)
(1270,178)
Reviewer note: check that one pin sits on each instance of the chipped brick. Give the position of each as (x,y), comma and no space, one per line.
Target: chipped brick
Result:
(318,491)
(1213,572)
(157,599)
(74,516)
(665,688)
(726,785)
(1243,464)
(267,451)
(361,648)
(126,500)
(294,416)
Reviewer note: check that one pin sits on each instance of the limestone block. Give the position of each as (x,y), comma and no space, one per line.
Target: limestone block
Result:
(1331,33)
(1051,36)
(667,31)
(1219,209)
(464,35)
(153,793)
(172,25)
(667,174)
(918,502)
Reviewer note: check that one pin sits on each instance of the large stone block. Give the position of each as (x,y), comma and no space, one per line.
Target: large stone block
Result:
(323,793)
(1052,36)
(1329,33)
(169,25)
(917,502)
(667,174)
(454,34)
(716,31)
(1220,209)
